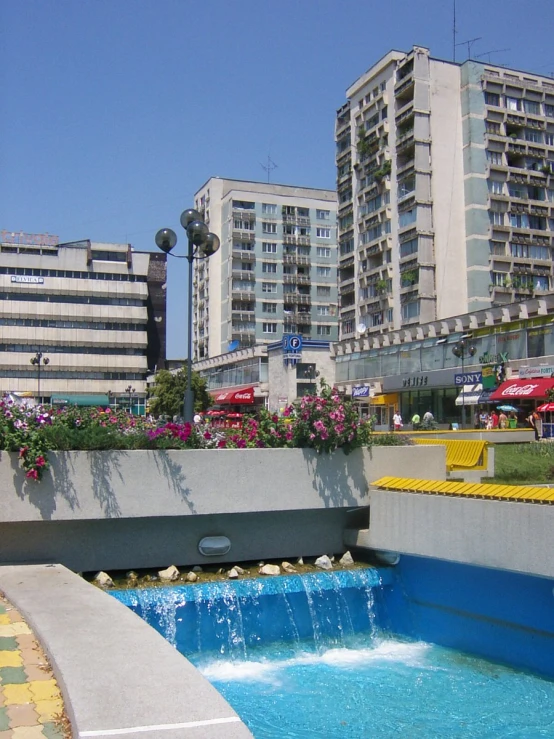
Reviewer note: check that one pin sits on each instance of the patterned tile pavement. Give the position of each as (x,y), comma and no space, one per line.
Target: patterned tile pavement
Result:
(31,704)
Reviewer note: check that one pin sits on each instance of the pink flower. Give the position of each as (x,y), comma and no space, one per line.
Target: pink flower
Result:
(207,435)
(23,451)
(32,474)
(40,461)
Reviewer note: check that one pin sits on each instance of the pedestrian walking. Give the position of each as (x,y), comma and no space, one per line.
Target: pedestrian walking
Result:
(397,421)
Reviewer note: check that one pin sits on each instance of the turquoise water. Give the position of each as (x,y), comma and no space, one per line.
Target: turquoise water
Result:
(347,655)
(380,689)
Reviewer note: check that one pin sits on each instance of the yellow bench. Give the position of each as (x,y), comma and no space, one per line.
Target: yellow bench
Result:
(464,455)
(519,493)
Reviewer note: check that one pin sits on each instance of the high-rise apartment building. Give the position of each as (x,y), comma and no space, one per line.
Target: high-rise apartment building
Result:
(445,178)
(96,311)
(276,270)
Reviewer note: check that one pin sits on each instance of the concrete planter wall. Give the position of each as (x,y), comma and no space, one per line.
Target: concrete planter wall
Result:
(117,510)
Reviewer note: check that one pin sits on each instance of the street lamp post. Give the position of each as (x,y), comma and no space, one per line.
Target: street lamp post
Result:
(131,391)
(201,245)
(37,360)
(463,349)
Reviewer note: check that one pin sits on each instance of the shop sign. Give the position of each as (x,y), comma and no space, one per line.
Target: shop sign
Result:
(519,390)
(415,381)
(27,279)
(468,378)
(543,371)
(360,391)
(436,378)
(499,358)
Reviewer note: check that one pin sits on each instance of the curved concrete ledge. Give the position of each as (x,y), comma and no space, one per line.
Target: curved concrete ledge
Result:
(118,676)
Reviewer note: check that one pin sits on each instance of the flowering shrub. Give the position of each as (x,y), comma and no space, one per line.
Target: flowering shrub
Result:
(323,422)
(326,422)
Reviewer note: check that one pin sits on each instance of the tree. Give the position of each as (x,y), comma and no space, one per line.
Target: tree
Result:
(168,392)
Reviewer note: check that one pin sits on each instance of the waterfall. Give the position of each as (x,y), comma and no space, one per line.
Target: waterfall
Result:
(233,617)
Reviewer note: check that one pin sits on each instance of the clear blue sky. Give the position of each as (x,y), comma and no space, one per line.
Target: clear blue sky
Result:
(114,112)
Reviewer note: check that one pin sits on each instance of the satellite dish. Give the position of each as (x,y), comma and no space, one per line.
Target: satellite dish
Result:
(361,328)
(233,345)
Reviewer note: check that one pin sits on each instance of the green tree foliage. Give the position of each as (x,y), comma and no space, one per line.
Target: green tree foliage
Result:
(168,392)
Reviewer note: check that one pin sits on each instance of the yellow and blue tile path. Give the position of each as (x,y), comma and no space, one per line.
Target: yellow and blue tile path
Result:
(31,705)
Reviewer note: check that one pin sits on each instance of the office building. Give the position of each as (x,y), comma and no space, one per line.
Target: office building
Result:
(445,178)
(276,270)
(95,311)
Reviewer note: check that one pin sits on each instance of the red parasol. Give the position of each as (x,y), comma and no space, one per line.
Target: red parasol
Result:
(546,407)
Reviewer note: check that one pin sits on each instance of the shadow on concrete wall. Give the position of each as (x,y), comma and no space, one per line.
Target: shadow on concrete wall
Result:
(103,465)
(57,482)
(173,472)
(339,479)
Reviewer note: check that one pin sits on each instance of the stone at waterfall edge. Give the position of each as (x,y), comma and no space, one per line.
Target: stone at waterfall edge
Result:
(171,574)
(324,563)
(269,570)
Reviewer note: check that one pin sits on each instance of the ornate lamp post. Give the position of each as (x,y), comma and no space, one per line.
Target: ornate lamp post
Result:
(37,360)
(130,391)
(463,349)
(201,245)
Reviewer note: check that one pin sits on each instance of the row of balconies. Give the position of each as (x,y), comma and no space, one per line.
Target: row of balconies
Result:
(298,220)
(493,82)
(296,259)
(297,240)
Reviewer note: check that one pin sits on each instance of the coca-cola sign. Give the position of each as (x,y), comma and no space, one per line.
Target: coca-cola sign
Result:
(245,396)
(519,390)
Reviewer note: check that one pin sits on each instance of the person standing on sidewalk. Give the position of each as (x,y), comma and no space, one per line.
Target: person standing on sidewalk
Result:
(397,421)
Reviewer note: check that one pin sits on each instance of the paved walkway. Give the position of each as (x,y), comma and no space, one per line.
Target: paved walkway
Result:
(31,705)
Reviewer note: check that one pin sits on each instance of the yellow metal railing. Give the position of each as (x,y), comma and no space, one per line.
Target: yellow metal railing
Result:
(519,493)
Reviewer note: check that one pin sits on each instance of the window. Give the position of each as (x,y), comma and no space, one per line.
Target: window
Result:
(323,330)
(518,220)
(383,86)
(269,228)
(323,310)
(269,307)
(323,291)
(242,224)
(269,328)
(407,217)
(549,138)
(323,233)
(497,247)
(269,267)
(517,191)
(409,247)
(513,103)
(269,208)
(532,135)
(410,310)
(348,326)
(303,212)
(549,110)
(492,127)
(243,205)
(494,157)
(491,98)
(323,271)
(530,106)
(496,187)
(269,248)
(323,215)
(323,251)
(497,219)
(269,287)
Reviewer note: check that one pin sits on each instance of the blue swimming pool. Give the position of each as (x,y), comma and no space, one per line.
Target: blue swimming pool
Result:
(371,652)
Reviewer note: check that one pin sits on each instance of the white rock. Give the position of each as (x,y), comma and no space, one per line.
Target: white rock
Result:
(233,574)
(103,580)
(324,563)
(238,569)
(346,559)
(300,561)
(287,567)
(197,568)
(171,574)
(132,575)
(333,558)
(269,570)
(191,577)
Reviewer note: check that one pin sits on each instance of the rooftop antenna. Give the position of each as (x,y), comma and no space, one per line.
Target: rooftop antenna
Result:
(269,167)
(488,53)
(469,44)
(454,34)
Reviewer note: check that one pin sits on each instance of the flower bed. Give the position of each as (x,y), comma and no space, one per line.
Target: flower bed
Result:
(324,422)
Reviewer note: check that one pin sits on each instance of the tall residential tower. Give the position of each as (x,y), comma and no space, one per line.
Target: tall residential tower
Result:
(445,178)
(276,270)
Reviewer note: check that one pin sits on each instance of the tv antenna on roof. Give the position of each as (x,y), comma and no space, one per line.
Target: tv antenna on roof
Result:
(469,43)
(488,53)
(269,167)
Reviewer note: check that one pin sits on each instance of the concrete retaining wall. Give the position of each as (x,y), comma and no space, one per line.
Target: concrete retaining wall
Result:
(120,510)
(500,534)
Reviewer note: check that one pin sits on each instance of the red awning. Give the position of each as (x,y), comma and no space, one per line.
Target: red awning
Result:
(520,389)
(241,396)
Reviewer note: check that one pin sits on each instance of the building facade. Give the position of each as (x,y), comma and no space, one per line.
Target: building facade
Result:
(445,179)
(276,270)
(95,311)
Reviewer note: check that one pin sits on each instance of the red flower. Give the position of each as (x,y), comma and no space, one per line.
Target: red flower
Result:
(40,461)
(32,474)
(23,451)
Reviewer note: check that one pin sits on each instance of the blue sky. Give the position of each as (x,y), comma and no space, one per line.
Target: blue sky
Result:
(114,112)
